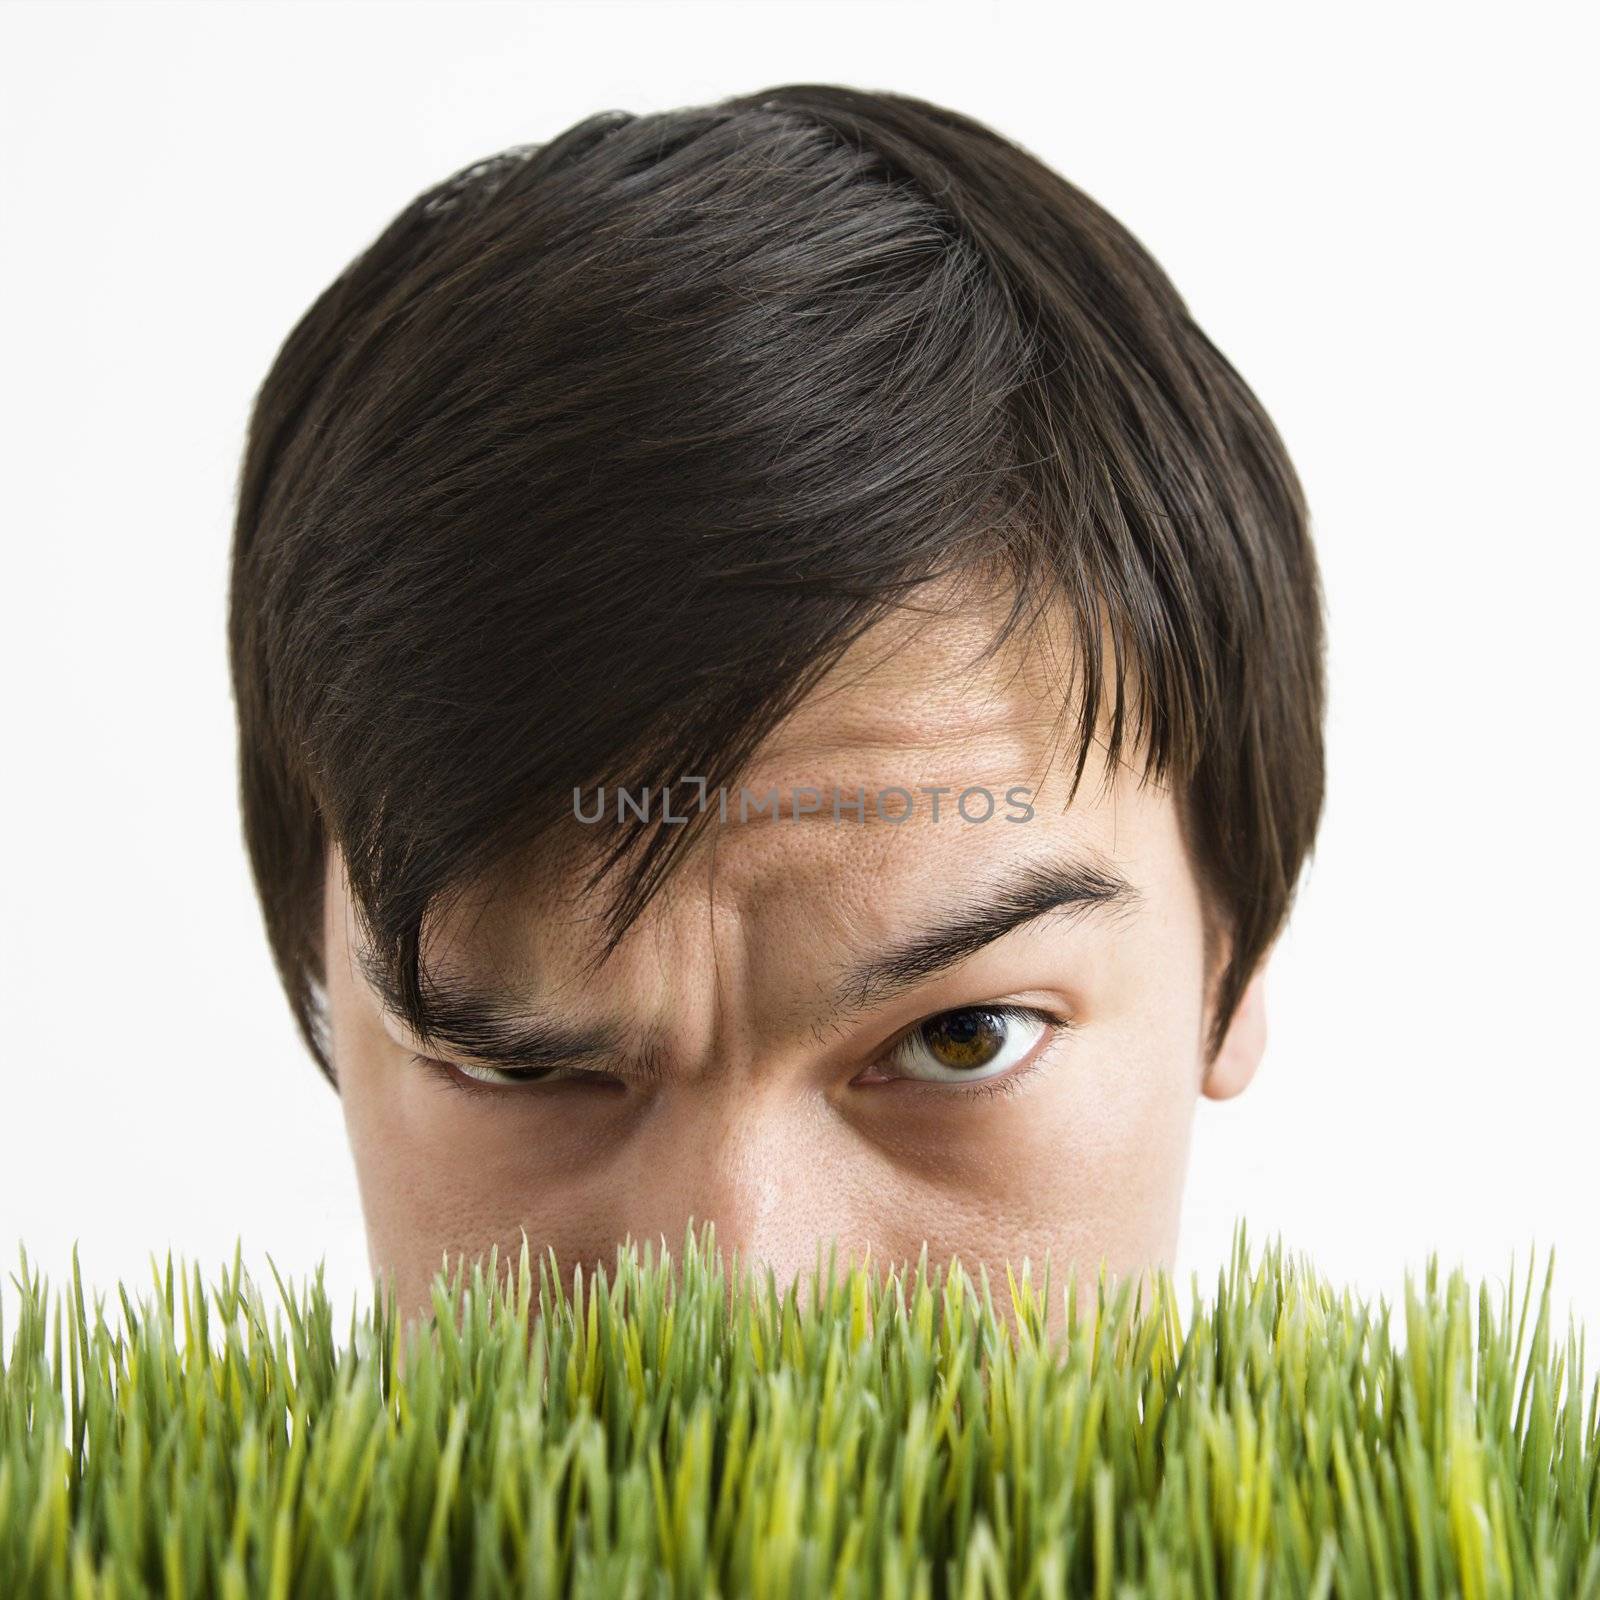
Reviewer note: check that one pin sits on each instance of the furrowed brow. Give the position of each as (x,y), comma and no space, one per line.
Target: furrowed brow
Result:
(1081,886)
(493,1027)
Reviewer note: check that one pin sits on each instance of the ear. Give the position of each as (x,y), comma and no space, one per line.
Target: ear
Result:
(1243,1044)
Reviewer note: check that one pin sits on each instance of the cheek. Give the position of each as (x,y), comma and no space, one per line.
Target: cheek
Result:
(1102,1137)
(434,1178)
(1092,1163)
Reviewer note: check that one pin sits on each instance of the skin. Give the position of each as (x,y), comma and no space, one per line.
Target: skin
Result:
(757,1119)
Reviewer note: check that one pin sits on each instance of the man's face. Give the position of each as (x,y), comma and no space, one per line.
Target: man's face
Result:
(798,1023)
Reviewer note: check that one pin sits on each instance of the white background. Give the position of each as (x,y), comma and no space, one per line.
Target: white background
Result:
(1380,214)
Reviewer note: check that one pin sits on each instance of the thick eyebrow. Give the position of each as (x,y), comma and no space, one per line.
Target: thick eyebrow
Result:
(1082,885)
(495,1028)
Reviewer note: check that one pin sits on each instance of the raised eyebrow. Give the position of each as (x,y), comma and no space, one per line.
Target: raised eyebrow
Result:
(1083,885)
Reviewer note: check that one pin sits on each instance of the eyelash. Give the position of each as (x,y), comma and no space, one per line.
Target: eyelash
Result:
(1007,1084)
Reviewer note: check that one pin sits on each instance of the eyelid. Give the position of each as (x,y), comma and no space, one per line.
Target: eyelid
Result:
(454,1075)
(1053,1015)
(459,1077)
(1052,1028)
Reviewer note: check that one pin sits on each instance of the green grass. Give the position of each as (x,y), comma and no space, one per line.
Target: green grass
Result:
(685,1429)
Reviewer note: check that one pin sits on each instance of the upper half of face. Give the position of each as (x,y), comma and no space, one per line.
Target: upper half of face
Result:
(803,946)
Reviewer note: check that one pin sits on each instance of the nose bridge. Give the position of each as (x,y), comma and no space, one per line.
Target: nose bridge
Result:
(753,1160)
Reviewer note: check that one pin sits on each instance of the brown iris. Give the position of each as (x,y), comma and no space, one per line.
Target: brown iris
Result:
(963,1039)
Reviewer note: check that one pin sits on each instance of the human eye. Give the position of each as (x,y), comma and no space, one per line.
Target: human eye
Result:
(976,1048)
(475,1078)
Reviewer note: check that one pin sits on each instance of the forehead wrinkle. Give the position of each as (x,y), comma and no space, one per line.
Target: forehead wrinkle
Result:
(874,746)
(980,728)
(998,729)
(943,679)
(859,895)
(925,653)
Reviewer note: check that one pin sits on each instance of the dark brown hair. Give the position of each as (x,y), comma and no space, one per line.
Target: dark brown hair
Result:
(607,448)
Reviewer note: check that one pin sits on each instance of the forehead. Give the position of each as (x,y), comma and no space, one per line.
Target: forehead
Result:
(928,681)
(922,710)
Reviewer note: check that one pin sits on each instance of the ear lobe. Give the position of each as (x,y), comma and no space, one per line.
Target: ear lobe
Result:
(1243,1045)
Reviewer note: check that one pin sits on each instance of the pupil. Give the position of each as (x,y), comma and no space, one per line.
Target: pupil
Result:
(970,1038)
